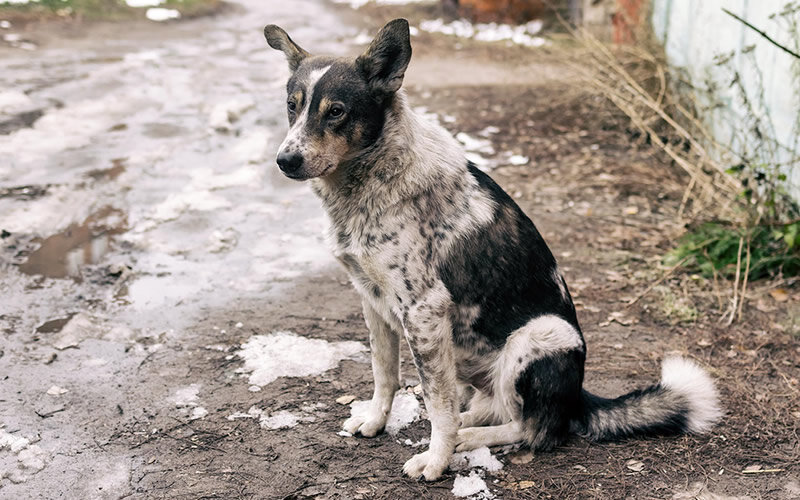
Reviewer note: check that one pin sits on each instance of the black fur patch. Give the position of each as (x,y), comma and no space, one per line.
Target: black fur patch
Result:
(506,269)
(551,392)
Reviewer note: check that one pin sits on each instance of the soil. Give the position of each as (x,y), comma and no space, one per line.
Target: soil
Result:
(607,207)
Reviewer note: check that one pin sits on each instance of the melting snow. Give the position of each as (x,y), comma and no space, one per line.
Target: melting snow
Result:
(471,486)
(360,3)
(284,354)
(405,410)
(518,160)
(29,460)
(491,32)
(143,3)
(281,419)
(159,14)
(480,457)
(187,398)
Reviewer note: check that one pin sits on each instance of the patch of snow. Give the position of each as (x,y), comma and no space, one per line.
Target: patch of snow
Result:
(198,412)
(178,203)
(159,14)
(518,160)
(186,396)
(417,444)
(279,420)
(405,410)
(225,113)
(204,179)
(488,32)
(5,25)
(490,130)
(12,102)
(480,457)
(284,354)
(143,3)
(477,145)
(252,147)
(471,486)
(26,459)
(56,391)
(355,4)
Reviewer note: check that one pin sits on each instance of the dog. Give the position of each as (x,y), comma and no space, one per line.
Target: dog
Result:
(443,258)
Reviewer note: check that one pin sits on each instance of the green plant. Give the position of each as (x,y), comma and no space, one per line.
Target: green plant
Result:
(718,249)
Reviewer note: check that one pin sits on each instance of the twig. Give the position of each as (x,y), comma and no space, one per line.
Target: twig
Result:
(744,284)
(658,282)
(760,32)
(736,282)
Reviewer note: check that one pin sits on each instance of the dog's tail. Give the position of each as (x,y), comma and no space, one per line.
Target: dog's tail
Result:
(684,401)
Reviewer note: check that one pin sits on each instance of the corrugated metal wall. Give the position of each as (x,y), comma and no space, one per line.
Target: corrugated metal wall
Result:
(711,48)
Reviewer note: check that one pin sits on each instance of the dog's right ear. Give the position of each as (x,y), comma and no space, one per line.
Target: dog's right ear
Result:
(279,40)
(385,61)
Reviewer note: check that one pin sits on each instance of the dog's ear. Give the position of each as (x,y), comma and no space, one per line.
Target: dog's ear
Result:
(279,40)
(385,61)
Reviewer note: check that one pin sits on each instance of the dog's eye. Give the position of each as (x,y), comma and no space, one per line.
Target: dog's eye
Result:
(336,111)
(292,106)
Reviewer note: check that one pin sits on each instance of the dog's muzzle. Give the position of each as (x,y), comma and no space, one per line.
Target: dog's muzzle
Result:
(290,163)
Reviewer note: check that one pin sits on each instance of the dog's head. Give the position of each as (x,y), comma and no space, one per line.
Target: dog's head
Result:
(337,107)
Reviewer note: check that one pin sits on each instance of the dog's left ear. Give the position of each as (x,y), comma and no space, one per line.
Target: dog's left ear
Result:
(385,61)
(279,40)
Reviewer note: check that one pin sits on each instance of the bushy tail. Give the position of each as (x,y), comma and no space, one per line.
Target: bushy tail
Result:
(684,401)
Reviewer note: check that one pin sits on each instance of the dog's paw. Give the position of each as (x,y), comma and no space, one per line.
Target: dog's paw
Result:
(469,439)
(427,465)
(362,424)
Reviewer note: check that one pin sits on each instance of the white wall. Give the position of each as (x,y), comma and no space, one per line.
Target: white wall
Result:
(695,33)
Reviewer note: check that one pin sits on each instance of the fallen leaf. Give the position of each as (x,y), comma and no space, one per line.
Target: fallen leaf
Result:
(704,342)
(618,317)
(632,210)
(780,294)
(634,465)
(752,468)
(521,457)
(345,400)
(580,468)
(524,485)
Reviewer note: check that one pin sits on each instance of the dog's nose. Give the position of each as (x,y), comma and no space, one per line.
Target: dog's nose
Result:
(290,162)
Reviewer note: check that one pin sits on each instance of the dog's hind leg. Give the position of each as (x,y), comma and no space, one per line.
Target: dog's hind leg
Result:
(479,412)
(470,438)
(385,346)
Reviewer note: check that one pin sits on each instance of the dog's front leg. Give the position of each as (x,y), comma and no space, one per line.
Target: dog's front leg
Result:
(431,345)
(385,346)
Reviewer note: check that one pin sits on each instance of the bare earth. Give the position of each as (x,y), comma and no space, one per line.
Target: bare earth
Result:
(606,206)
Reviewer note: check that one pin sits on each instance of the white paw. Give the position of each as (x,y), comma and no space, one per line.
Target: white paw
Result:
(364,425)
(468,439)
(427,465)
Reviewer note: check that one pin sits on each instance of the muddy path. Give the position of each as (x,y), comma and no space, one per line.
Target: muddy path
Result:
(152,259)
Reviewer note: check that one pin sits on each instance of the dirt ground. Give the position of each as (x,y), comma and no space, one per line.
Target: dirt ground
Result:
(607,207)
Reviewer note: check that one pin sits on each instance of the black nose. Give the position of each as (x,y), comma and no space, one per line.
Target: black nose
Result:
(290,162)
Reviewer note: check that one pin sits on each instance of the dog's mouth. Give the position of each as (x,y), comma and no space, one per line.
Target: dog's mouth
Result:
(297,176)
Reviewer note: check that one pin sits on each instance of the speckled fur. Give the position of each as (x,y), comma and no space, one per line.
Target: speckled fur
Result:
(443,258)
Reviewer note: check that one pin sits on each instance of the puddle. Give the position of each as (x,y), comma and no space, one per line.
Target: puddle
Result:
(20,120)
(163,130)
(109,174)
(62,255)
(54,325)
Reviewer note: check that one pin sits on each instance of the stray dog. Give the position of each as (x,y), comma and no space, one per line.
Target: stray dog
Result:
(443,258)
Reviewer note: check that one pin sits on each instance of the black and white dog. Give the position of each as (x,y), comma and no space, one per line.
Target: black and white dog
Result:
(443,258)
